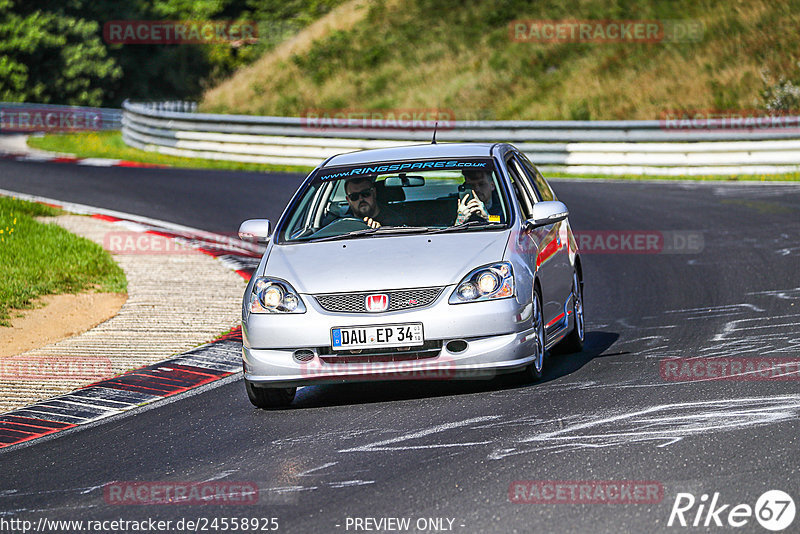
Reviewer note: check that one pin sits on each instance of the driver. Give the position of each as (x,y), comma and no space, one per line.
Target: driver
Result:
(362,198)
(484,203)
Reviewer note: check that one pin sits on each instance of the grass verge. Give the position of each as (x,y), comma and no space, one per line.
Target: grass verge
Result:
(44,259)
(110,145)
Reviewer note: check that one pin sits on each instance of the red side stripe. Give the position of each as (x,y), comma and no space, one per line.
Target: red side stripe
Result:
(557,319)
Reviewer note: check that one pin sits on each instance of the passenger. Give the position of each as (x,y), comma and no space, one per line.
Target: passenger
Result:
(364,204)
(484,200)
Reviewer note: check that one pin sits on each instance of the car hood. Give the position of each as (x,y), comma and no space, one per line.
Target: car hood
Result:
(380,263)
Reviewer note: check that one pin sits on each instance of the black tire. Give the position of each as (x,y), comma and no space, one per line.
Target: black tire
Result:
(574,340)
(269,397)
(534,372)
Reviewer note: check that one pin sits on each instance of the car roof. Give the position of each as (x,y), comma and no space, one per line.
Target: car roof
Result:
(427,151)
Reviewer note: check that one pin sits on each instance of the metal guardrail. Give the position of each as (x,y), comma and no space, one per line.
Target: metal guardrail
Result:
(31,118)
(604,147)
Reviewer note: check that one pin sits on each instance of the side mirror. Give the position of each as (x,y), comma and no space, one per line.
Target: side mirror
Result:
(547,212)
(255,230)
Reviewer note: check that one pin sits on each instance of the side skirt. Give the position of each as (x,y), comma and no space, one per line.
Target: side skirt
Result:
(560,326)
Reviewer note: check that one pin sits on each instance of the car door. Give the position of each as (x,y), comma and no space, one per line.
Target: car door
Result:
(562,260)
(537,245)
(545,192)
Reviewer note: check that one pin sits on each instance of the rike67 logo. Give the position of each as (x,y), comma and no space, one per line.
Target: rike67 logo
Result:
(774,510)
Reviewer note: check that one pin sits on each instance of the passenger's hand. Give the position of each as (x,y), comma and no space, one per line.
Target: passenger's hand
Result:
(372,223)
(469,207)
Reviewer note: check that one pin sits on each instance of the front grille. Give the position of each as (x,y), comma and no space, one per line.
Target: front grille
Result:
(400,299)
(430,349)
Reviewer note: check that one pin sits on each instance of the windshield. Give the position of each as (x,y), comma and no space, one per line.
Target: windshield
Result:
(397,198)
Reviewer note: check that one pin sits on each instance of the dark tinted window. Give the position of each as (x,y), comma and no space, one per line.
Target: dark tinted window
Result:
(521,187)
(542,188)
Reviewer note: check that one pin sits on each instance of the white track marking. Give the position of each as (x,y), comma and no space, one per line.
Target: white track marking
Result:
(733,326)
(381,445)
(220,476)
(786,294)
(314,469)
(350,483)
(706,309)
(666,424)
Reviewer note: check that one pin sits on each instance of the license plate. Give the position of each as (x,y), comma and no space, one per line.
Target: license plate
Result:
(385,335)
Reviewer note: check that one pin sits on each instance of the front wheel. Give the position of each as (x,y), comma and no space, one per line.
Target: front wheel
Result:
(533,372)
(269,397)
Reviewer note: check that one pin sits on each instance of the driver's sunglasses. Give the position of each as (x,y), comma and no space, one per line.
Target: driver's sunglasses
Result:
(366,193)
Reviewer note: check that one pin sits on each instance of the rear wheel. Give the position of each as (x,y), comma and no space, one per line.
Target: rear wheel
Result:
(269,397)
(574,340)
(534,371)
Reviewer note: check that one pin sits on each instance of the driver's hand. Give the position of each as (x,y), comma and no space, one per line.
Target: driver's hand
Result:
(467,207)
(372,223)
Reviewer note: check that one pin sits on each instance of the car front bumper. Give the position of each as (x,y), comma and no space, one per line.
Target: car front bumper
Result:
(498,334)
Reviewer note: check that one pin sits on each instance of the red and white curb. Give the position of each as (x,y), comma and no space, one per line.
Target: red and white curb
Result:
(92,162)
(198,367)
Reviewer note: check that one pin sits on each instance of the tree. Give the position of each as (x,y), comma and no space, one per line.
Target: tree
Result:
(49,57)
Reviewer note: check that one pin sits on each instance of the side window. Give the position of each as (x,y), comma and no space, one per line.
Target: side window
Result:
(300,220)
(542,188)
(325,204)
(520,188)
(338,191)
(526,182)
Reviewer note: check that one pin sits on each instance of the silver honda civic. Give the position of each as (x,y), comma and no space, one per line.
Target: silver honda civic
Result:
(428,262)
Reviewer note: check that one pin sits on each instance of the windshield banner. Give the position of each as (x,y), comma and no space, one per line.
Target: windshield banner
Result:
(403,166)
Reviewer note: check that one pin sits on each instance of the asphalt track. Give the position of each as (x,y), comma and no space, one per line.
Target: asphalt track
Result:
(452,449)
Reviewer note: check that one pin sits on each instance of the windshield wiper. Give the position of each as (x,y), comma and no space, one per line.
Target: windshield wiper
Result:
(348,235)
(373,231)
(401,229)
(471,225)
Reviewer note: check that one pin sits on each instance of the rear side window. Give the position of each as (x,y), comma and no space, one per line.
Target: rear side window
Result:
(521,187)
(542,187)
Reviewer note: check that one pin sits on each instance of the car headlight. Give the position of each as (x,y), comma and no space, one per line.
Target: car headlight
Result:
(485,283)
(270,295)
